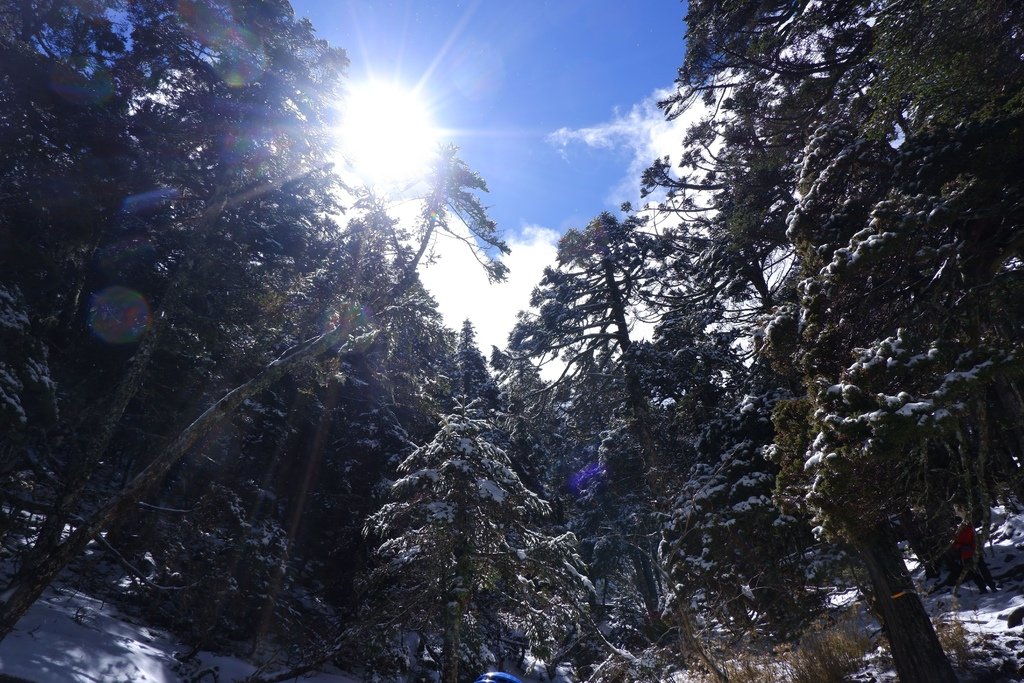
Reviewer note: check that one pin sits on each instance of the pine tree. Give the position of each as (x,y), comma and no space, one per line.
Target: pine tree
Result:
(891,397)
(189,176)
(585,308)
(245,263)
(472,380)
(727,544)
(28,400)
(462,544)
(584,311)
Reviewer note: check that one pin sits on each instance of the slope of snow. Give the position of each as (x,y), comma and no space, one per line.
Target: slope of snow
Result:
(997,648)
(68,637)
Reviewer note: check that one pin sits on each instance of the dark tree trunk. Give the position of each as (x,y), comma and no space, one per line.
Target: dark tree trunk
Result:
(452,642)
(635,395)
(692,641)
(646,582)
(915,647)
(929,536)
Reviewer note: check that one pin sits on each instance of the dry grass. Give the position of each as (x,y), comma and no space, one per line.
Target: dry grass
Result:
(954,638)
(755,669)
(826,654)
(829,655)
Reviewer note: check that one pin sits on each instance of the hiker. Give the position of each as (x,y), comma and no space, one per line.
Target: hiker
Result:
(966,565)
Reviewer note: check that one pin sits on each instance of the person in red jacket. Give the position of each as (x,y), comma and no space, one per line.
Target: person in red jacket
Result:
(970,567)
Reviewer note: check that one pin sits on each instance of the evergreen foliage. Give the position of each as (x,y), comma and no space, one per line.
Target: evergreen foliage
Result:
(472,381)
(836,202)
(464,561)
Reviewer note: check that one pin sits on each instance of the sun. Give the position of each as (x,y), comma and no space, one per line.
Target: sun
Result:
(387,134)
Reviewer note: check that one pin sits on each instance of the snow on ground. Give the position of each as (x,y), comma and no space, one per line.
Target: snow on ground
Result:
(997,648)
(68,637)
(994,650)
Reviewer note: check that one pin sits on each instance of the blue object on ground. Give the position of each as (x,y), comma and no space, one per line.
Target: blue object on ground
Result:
(497,677)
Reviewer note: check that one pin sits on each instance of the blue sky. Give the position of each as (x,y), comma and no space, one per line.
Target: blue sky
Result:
(551,101)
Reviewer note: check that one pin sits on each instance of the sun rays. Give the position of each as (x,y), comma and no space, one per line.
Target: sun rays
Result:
(387,135)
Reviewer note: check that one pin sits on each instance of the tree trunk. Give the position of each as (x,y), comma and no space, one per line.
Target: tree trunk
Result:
(636,397)
(915,647)
(646,583)
(452,642)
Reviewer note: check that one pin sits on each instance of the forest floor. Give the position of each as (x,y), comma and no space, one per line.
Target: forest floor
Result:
(71,637)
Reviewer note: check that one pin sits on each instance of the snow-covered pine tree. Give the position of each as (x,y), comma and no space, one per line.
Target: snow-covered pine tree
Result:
(28,404)
(885,133)
(586,306)
(473,381)
(727,546)
(911,339)
(166,252)
(462,553)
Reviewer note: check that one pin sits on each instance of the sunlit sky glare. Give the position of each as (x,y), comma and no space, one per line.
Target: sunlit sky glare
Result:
(382,121)
(551,101)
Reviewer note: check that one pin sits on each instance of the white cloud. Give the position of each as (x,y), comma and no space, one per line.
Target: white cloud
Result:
(460,286)
(642,131)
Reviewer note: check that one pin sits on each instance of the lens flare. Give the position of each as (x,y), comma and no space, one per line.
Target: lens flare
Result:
(240,58)
(353,316)
(118,315)
(205,22)
(330,320)
(583,478)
